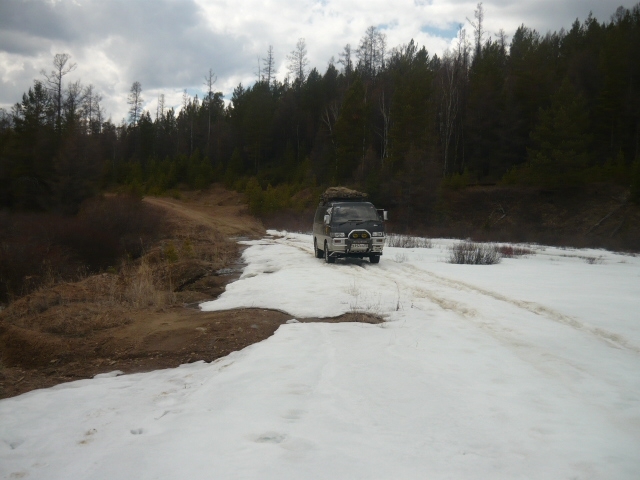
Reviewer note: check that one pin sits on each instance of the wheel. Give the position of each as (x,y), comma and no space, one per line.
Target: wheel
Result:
(319,253)
(327,258)
(374,258)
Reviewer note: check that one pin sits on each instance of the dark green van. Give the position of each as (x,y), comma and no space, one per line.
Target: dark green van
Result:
(348,227)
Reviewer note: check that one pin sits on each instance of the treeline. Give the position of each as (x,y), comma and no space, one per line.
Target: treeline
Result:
(556,110)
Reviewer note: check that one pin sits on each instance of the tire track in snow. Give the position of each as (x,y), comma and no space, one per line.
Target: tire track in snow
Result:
(551,360)
(612,339)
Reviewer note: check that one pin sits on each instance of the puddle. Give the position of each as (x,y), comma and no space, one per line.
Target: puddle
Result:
(228,274)
(234,268)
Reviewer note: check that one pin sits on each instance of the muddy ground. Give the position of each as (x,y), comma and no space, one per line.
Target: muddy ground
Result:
(144,316)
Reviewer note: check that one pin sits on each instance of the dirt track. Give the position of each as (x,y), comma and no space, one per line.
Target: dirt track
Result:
(219,209)
(77,330)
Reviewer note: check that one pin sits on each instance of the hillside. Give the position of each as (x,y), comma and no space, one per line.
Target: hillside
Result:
(593,216)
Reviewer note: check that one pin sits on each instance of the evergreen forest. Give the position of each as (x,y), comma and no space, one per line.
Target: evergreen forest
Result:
(556,111)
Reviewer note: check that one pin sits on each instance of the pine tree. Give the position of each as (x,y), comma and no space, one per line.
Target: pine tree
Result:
(561,144)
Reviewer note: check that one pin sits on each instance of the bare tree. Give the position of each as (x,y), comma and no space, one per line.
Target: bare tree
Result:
(160,108)
(329,117)
(258,72)
(502,40)
(346,60)
(298,61)
(185,100)
(385,110)
(135,102)
(91,110)
(478,28)
(269,67)
(372,51)
(74,98)
(209,80)
(188,108)
(61,67)
(453,82)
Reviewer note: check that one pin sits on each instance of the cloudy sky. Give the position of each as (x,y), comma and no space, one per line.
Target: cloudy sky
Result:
(169,45)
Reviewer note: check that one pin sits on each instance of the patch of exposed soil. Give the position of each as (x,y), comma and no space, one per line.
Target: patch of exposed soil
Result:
(145,316)
(147,340)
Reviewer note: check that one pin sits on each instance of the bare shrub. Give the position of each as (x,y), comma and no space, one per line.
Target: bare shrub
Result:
(42,249)
(512,251)
(471,253)
(593,260)
(406,241)
(132,223)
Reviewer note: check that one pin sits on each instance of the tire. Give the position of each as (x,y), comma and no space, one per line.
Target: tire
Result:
(374,259)
(319,253)
(327,258)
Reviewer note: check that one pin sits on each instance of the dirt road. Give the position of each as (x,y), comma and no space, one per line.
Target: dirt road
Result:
(145,316)
(219,209)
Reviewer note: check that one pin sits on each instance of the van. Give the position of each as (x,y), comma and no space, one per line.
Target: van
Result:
(348,226)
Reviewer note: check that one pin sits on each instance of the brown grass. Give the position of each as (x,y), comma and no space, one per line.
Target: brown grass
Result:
(512,251)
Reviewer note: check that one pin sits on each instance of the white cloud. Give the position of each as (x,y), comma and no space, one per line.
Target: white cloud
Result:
(169,45)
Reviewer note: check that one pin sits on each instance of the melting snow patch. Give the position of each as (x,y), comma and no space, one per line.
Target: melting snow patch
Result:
(115,373)
(529,370)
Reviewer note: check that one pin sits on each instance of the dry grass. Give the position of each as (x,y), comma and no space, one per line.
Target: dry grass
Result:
(99,302)
(140,288)
(512,251)
(83,322)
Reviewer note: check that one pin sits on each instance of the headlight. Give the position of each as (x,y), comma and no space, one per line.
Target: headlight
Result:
(377,234)
(337,234)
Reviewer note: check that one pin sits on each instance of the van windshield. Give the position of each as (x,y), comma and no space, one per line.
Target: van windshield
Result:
(355,213)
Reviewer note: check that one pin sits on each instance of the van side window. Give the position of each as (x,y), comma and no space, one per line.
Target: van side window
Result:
(320,214)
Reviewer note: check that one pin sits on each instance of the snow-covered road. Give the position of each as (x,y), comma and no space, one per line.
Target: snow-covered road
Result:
(525,369)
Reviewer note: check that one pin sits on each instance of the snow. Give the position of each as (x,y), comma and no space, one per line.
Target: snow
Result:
(524,369)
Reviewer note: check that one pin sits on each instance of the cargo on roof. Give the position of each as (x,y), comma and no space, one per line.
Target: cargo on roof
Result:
(342,193)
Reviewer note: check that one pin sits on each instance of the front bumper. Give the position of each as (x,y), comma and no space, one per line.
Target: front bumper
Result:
(346,247)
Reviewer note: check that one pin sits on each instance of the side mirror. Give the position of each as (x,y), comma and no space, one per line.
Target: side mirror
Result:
(384,215)
(326,219)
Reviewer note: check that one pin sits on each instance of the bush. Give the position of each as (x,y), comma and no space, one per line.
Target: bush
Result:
(457,181)
(405,241)
(470,253)
(40,249)
(511,251)
(132,224)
